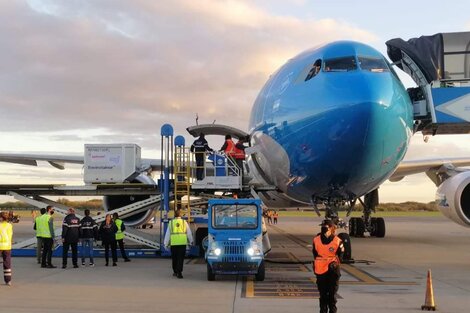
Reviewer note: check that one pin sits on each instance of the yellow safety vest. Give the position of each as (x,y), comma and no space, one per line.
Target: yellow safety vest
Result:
(42,226)
(178,235)
(120,233)
(6,233)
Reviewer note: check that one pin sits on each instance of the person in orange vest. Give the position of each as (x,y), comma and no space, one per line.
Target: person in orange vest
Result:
(327,251)
(275,216)
(229,148)
(239,154)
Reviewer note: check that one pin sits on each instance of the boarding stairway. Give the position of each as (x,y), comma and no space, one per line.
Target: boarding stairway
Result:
(134,235)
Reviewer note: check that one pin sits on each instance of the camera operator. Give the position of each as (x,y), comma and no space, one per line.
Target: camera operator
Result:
(6,234)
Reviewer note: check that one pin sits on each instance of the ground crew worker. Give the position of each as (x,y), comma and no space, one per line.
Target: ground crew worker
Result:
(275,216)
(6,234)
(199,147)
(229,148)
(239,154)
(45,228)
(89,232)
(40,241)
(70,237)
(120,236)
(327,251)
(177,235)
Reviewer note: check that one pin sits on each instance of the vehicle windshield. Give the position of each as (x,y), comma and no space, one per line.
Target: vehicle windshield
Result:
(377,65)
(343,64)
(235,216)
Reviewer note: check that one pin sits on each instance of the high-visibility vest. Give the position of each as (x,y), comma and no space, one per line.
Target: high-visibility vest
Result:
(119,233)
(178,234)
(326,254)
(6,233)
(42,226)
(238,154)
(230,147)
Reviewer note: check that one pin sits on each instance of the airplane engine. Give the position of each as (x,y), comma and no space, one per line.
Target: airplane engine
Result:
(137,219)
(453,198)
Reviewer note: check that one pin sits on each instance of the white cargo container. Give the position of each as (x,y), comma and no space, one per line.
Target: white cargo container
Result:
(111,163)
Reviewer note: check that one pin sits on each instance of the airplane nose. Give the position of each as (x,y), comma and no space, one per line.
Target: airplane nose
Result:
(358,142)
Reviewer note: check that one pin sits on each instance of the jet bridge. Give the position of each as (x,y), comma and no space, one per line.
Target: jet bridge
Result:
(440,66)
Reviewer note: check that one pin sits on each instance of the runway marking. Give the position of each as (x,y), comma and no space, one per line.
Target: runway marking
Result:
(280,287)
(363,277)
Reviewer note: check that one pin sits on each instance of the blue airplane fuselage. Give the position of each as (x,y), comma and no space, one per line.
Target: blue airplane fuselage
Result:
(336,134)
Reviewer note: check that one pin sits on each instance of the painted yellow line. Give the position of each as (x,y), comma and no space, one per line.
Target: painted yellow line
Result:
(360,275)
(249,291)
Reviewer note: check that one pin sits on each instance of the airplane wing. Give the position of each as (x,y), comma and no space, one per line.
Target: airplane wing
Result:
(410,167)
(59,161)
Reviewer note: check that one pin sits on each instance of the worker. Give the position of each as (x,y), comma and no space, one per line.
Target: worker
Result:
(120,236)
(45,228)
(275,216)
(177,236)
(239,154)
(70,237)
(89,233)
(6,234)
(199,147)
(229,148)
(327,251)
(39,239)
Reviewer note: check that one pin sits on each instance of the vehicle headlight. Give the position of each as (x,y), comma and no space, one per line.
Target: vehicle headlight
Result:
(217,251)
(250,251)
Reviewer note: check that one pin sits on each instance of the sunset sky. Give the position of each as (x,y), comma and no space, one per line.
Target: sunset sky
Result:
(76,72)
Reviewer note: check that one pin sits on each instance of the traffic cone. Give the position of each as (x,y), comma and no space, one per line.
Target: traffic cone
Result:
(429,303)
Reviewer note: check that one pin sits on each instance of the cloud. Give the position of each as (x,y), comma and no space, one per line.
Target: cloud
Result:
(133,66)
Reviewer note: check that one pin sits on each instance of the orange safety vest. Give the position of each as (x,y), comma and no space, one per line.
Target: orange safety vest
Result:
(326,254)
(238,154)
(229,151)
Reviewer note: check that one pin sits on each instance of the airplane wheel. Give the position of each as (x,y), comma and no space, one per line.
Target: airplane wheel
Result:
(352,226)
(210,274)
(380,227)
(347,255)
(373,224)
(356,227)
(261,272)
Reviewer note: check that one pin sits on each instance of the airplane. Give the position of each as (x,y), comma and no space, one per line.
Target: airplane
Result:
(329,127)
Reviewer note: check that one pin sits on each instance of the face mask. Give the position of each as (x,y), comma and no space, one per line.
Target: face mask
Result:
(324,229)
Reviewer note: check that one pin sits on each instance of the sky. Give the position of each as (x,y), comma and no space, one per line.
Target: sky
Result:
(76,72)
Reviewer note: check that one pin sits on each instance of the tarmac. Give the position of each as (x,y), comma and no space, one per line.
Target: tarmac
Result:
(389,276)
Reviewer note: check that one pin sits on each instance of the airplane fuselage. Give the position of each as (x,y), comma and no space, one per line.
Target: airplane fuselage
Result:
(335,131)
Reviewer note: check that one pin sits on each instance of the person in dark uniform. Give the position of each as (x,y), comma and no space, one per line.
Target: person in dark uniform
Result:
(108,230)
(199,147)
(327,251)
(70,237)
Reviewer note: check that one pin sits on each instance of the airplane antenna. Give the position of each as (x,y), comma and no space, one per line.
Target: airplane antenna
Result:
(197,118)
(213,122)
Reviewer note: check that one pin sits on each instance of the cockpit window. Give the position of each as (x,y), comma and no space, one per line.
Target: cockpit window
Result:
(377,65)
(344,64)
(314,70)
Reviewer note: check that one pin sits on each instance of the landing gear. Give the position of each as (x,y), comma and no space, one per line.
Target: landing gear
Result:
(375,226)
(357,227)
